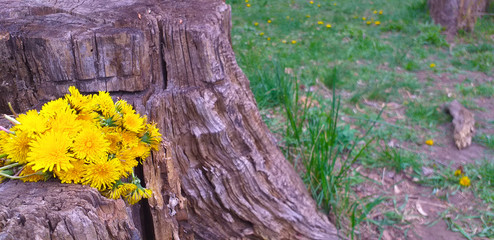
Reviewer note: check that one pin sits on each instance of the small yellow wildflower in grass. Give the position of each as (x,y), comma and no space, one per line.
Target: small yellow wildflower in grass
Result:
(318,5)
(307,16)
(293,41)
(269,21)
(328,26)
(380,12)
(261,34)
(247,5)
(429,142)
(375,12)
(458,172)
(334,4)
(80,139)
(246,1)
(369,22)
(364,18)
(465,181)
(432,65)
(283,41)
(269,39)
(377,23)
(320,22)
(311,2)
(256,24)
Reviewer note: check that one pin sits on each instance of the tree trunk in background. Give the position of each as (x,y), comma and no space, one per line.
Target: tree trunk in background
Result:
(457,15)
(50,210)
(219,175)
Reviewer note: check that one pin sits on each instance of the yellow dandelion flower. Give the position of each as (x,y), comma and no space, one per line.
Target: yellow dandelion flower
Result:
(465,181)
(432,65)
(142,150)
(114,138)
(335,4)
(31,123)
(73,175)
(294,41)
(90,144)
(375,12)
(256,24)
(380,12)
(29,175)
(119,190)
(269,21)
(377,23)
(307,16)
(137,194)
(458,172)
(51,108)
(17,146)
(123,107)
(129,139)
(364,18)
(102,174)
(77,100)
(246,1)
(154,134)
(269,39)
(104,104)
(133,122)
(127,160)
(320,22)
(261,34)
(311,2)
(66,122)
(318,5)
(369,22)
(429,142)
(51,151)
(283,41)
(247,5)
(328,26)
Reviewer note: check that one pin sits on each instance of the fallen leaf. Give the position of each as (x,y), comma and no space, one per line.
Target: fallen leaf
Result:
(419,209)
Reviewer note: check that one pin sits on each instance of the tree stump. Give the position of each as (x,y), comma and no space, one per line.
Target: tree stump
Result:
(457,15)
(219,175)
(50,210)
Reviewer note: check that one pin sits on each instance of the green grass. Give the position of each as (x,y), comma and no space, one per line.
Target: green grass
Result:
(325,51)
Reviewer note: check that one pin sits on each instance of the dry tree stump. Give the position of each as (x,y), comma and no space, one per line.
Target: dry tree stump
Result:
(50,210)
(219,175)
(457,15)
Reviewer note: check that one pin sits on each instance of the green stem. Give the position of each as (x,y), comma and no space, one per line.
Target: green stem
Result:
(9,166)
(12,110)
(20,177)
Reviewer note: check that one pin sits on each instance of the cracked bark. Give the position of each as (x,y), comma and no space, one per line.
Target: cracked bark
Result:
(219,174)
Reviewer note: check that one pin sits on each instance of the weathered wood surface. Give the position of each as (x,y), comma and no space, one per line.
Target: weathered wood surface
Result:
(220,175)
(464,124)
(457,15)
(50,210)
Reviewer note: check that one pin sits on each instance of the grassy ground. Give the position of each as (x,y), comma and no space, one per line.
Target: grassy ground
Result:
(354,89)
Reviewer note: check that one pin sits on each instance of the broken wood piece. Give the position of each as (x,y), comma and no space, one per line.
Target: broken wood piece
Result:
(463,122)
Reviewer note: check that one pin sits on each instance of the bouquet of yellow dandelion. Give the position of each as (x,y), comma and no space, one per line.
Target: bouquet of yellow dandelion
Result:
(90,140)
